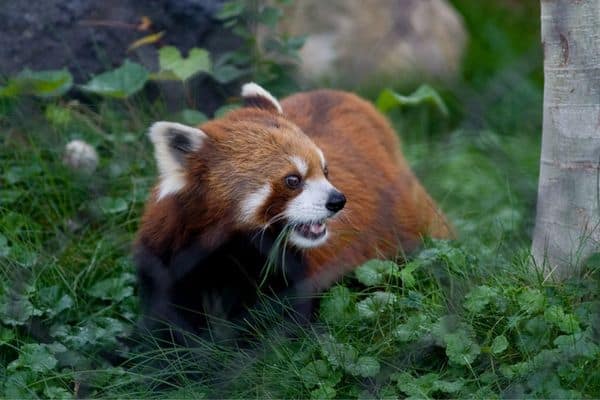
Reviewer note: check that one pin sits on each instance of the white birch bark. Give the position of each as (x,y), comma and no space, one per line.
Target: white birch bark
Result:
(568,214)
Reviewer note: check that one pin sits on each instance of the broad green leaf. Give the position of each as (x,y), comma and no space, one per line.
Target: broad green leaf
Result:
(6,335)
(567,323)
(499,344)
(231,9)
(18,383)
(115,289)
(36,357)
(375,304)
(17,311)
(578,344)
(461,349)
(447,386)
(419,387)
(227,73)
(337,305)
(173,65)
(191,117)
(412,328)
(39,83)
(375,272)
(425,94)
(338,355)
(324,392)
(317,373)
(120,83)
(58,115)
(406,274)
(366,367)
(53,301)
(531,301)
(112,205)
(269,16)
(221,111)
(53,392)
(479,297)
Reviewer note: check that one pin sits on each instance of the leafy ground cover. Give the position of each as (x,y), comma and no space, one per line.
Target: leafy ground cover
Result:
(462,319)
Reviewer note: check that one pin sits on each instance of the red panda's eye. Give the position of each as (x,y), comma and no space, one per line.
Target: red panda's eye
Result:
(326,171)
(292,181)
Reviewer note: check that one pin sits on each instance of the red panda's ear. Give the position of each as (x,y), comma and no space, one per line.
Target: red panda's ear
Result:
(172,143)
(255,96)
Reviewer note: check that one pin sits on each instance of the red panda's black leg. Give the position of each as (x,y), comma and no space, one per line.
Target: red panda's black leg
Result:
(155,288)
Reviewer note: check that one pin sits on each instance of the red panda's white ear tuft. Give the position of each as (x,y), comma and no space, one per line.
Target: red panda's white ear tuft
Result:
(255,96)
(172,143)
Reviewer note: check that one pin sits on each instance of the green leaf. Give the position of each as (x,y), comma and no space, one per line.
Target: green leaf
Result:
(115,289)
(112,205)
(173,66)
(338,355)
(447,386)
(120,83)
(337,304)
(221,111)
(191,117)
(53,302)
(499,344)
(227,73)
(425,94)
(406,274)
(460,349)
(269,16)
(531,301)
(419,387)
(317,373)
(36,357)
(578,344)
(17,385)
(375,304)
(53,392)
(324,392)
(479,297)
(231,9)
(375,272)
(567,323)
(40,83)
(17,311)
(412,328)
(366,367)
(6,335)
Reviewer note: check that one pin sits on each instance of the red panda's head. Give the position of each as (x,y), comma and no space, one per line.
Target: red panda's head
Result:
(249,170)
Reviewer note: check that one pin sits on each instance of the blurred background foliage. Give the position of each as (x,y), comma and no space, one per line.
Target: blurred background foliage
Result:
(462,319)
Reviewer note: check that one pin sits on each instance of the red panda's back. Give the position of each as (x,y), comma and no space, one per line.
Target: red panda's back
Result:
(387,211)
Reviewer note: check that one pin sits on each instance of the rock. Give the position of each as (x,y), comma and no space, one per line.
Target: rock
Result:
(354,41)
(80,156)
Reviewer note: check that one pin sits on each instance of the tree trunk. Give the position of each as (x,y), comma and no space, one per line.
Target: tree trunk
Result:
(568,215)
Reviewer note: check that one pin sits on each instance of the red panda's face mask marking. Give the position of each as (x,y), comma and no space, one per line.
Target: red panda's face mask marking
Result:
(250,170)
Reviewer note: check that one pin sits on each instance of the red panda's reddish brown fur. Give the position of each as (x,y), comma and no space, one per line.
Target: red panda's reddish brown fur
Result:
(387,211)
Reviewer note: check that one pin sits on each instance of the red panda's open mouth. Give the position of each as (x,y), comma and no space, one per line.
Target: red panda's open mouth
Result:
(312,230)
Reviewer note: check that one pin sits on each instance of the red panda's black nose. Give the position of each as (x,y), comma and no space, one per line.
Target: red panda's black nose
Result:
(336,201)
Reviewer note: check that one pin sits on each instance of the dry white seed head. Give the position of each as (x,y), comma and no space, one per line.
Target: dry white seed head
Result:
(80,156)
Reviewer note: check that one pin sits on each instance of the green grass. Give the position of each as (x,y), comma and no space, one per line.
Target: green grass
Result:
(462,319)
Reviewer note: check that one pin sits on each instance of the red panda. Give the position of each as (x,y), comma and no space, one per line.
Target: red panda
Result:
(322,169)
